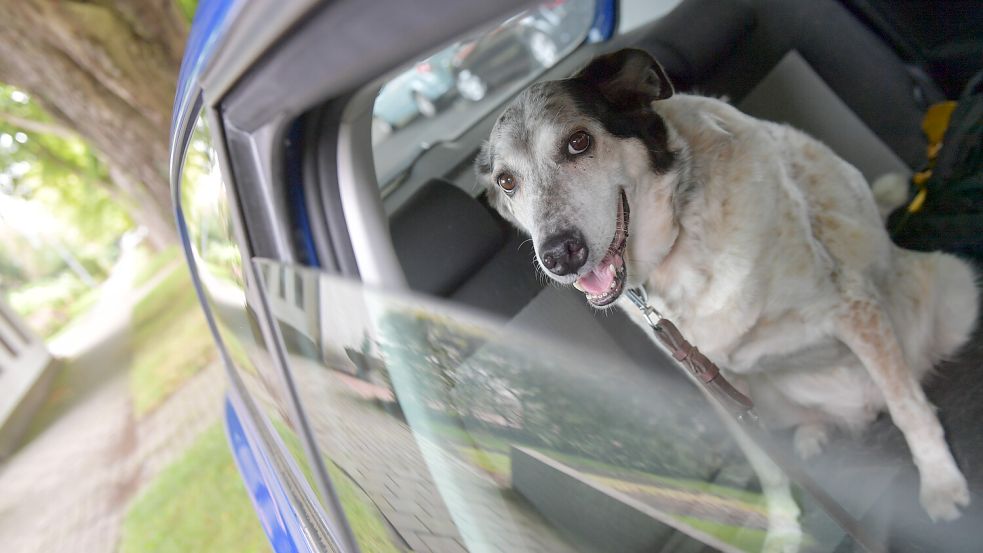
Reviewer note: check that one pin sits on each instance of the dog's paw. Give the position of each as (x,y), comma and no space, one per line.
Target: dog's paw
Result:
(943,492)
(810,438)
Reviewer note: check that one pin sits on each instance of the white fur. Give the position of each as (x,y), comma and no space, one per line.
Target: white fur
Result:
(779,269)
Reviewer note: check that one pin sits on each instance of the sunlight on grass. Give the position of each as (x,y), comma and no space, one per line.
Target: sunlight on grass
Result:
(490,452)
(747,539)
(171,341)
(196,504)
(50,305)
(151,264)
(497,464)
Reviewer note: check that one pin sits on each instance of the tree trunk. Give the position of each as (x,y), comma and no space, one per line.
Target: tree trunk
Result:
(108,69)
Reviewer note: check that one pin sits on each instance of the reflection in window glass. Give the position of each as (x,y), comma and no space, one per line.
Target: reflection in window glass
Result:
(208,216)
(442,96)
(473,435)
(206,211)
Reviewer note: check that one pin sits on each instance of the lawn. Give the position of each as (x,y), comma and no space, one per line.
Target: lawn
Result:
(171,341)
(154,263)
(365,520)
(491,454)
(747,539)
(51,304)
(196,504)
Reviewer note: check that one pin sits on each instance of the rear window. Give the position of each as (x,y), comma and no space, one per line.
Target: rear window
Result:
(440,97)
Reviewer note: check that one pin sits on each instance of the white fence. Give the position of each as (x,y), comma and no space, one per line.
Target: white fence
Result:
(24,359)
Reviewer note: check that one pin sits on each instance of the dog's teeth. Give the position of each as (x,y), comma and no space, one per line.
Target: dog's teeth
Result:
(576,284)
(611,268)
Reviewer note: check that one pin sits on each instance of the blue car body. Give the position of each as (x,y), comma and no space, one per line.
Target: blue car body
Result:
(279,521)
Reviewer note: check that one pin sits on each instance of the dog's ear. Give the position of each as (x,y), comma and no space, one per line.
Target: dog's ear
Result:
(628,78)
(482,162)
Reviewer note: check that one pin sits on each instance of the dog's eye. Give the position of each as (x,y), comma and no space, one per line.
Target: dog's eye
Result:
(506,181)
(578,143)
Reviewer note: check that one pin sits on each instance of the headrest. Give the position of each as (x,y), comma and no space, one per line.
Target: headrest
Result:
(689,40)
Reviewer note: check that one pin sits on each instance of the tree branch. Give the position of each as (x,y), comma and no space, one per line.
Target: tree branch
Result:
(42,127)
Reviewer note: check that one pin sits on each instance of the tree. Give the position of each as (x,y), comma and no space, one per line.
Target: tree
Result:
(106,70)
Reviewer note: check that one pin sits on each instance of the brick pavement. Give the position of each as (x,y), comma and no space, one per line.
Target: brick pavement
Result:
(69,488)
(463,507)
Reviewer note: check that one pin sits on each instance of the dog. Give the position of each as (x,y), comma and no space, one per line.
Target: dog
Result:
(765,248)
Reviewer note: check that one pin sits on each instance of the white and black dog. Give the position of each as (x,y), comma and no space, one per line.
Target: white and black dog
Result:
(764,248)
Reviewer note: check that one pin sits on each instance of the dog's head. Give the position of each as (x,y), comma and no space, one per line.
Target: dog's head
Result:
(565,159)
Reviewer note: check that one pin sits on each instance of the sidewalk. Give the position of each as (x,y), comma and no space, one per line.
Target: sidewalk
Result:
(68,489)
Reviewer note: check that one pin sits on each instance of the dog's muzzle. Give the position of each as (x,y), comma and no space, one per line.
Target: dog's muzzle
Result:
(605,282)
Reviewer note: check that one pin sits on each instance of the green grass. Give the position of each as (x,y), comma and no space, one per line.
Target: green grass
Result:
(490,452)
(198,503)
(50,305)
(747,539)
(687,484)
(458,435)
(152,264)
(366,522)
(498,464)
(171,341)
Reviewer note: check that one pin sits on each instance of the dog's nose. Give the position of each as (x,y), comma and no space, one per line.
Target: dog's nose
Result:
(564,253)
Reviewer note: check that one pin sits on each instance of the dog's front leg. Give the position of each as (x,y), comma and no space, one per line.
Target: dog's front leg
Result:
(865,328)
(784,532)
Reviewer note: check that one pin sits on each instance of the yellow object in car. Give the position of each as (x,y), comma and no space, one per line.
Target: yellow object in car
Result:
(934,125)
(936,121)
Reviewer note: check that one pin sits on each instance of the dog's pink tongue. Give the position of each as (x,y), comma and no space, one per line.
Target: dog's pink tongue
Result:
(596,281)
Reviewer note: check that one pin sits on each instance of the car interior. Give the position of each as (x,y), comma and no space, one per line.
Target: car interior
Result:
(842,71)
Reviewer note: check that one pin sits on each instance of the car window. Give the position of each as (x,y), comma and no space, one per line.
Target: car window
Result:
(208,214)
(439,97)
(206,211)
(456,432)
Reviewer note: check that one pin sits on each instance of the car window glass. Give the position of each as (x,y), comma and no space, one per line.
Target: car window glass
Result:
(467,433)
(208,212)
(438,98)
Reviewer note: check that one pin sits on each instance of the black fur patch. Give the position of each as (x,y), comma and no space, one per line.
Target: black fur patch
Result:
(641,123)
(483,162)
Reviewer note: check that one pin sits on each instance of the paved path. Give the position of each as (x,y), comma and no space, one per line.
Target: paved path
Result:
(68,489)
(394,468)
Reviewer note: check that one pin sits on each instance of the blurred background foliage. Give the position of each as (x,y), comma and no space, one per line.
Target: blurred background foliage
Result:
(60,226)
(83,147)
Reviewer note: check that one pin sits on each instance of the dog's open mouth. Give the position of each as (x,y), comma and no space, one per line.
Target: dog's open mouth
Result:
(606,281)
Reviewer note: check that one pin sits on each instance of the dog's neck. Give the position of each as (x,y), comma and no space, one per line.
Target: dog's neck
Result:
(660,248)
(663,249)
